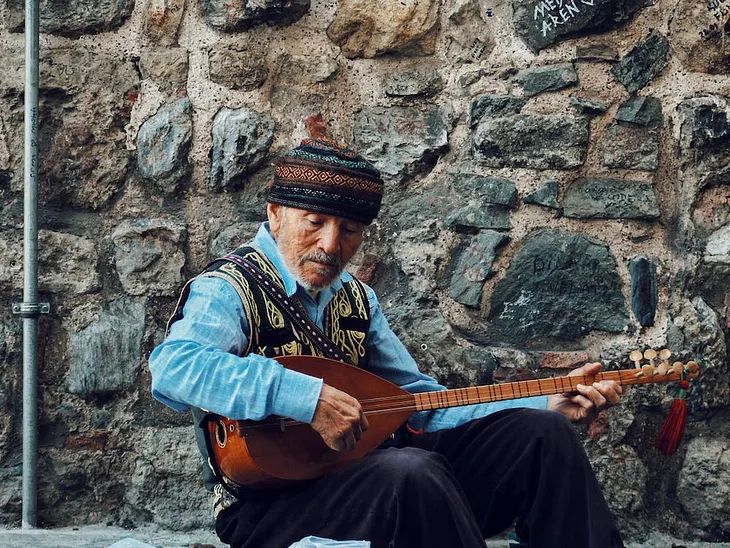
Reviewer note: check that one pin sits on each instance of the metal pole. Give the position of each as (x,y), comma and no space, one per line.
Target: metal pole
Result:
(30,268)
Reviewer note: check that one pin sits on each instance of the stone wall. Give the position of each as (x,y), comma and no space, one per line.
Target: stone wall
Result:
(557,192)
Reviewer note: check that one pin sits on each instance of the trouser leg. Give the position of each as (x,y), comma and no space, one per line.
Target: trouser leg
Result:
(530,465)
(395,498)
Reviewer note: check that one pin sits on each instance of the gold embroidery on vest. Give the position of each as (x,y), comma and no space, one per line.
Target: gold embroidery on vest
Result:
(351,342)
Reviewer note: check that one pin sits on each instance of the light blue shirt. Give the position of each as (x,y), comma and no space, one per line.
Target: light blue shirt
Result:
(199,363)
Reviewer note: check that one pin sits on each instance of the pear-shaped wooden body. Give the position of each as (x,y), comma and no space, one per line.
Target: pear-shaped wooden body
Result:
(269,453)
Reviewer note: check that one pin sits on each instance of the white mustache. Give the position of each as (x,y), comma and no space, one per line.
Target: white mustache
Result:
(321,257)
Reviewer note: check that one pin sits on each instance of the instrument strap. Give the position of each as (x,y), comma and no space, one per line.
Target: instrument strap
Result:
(293,309)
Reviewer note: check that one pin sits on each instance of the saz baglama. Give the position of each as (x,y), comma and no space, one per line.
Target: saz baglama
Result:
(277,450)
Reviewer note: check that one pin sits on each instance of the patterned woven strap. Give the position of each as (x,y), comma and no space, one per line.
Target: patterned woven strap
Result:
(293,308)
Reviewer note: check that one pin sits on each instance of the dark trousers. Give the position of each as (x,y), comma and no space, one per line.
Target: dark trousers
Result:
(446,489)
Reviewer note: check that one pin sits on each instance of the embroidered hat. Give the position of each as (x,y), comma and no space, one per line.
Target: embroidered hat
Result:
(320,175)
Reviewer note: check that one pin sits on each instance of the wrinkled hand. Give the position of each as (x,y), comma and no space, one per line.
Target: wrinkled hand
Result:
(339,419)
(589,400)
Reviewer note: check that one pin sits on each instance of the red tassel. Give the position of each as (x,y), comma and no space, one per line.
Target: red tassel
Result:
(672,430)
(315,126)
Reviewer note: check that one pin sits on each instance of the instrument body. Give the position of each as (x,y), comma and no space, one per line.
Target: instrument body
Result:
(277,451)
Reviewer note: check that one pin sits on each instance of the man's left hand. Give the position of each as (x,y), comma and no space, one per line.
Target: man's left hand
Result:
(589,400)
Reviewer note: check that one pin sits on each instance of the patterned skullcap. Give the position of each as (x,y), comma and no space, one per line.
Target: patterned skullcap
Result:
(320,175)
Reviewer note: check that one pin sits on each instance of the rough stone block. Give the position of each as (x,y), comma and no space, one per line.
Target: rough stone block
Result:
(559,285)
(245,69)
(717,250)
(149,256)
(163,143)
(541,23)
(238,16)
(106,355)
(610,199)
(241,142)
(587,106)
(631,147)
(534,141)
(643,63)
(546,195)
(424,82)
(167,67)
(73,17)
(310,70)
(401,141)
(475,216)
(537,80)
(368,28)
(494,105)
(644,290)
(66,263)
(474,266)
(644,111)
(162,21)
(487,190)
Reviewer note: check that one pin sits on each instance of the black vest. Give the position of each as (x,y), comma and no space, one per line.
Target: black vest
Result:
(271,332)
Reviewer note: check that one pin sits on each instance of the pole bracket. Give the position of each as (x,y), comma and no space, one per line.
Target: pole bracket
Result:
(31,310)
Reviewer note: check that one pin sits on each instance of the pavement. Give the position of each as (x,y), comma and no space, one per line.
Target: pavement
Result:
(97,536)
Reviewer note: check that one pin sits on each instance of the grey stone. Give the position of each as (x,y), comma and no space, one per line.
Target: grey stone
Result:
(494,105)
(534,141)
(541,23)
(474,266)
(474,216)
(73,17)
(587,107)
(610,199)
(241,142)
(705,138)
(149,256)
(315,69)
(559,285)
(643,63)
(631,147)
(537,80)
(401,141)
(546,195)
(165,459)
(227,17)
(489,190)
(245,70)
(644,111)
(167,67)
(163,143)
(644,290)
(130,543)
(106,356)
(424,82)
(717,250)
(596,52)
(623,478)
(231,238)
(703,488)
(67,264)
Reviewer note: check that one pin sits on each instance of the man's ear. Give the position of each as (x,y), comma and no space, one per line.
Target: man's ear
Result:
(275,213)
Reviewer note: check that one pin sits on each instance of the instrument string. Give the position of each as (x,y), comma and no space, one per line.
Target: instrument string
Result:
(470,395)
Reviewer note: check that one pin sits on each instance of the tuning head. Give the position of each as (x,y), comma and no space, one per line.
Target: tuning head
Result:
(663,368)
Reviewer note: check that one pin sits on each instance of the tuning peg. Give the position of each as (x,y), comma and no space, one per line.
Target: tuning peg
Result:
(663,368)
(678,368)
(665,353)
(648,370)
(650,354)
(636,357)
(693,366)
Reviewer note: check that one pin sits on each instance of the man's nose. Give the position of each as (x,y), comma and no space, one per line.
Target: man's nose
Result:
(329,240)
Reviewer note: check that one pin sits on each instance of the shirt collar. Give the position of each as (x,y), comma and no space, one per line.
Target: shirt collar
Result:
(264,242)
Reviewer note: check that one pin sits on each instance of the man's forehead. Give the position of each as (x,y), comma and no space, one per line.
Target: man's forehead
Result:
(299,212)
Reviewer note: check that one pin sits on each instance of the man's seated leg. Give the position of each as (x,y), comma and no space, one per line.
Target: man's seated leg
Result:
(396,498)
(528,465)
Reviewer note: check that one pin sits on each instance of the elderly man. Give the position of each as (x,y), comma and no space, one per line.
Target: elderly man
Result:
(454,478)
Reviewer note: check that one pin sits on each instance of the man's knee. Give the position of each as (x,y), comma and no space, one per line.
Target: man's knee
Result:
(412,468)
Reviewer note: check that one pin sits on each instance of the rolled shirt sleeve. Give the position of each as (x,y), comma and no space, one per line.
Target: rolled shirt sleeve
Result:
(199,363)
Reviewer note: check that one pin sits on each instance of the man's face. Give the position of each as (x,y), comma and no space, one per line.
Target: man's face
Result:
(315,246)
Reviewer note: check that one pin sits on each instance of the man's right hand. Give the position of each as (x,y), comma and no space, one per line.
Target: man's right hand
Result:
(339,419)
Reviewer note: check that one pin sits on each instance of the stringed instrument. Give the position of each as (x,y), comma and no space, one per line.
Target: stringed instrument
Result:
(277,450)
